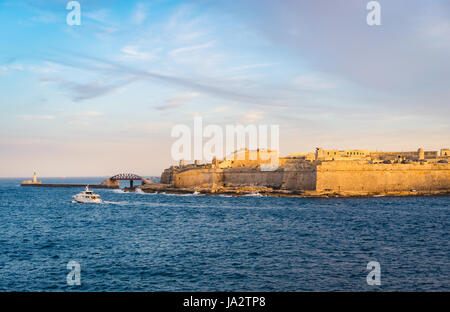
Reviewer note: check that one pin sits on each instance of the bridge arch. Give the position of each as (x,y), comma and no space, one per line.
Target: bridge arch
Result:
(126,176)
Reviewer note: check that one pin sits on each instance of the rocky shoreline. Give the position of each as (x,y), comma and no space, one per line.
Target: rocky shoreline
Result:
(266,191)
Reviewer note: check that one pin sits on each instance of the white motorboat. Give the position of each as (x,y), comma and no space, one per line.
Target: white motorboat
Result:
(87,197)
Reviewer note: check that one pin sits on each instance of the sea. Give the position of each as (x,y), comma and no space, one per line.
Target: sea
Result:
(165,242)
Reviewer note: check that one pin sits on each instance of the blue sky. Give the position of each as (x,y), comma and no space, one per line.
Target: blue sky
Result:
(102,97)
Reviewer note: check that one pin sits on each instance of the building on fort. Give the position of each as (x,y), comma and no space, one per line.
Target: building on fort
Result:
(334,171)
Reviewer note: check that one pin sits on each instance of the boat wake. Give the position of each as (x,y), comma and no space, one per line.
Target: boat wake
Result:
(253,195)
(189,194)
(120,203)
(137,191)
(141,192)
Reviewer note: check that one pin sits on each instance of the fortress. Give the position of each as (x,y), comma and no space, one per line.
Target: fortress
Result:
(319,173)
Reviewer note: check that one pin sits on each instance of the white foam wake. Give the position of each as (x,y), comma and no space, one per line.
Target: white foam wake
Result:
(254,195)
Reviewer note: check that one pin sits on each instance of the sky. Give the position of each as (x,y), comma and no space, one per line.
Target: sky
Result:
(102,98)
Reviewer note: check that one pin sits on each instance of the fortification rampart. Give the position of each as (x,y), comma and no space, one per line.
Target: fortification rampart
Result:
(198,177)
(253,177)
(346,172)
(290,179)
(304,180)
(336,176)
(364,177)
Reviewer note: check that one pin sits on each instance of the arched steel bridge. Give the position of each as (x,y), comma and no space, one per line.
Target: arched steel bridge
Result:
(127,176)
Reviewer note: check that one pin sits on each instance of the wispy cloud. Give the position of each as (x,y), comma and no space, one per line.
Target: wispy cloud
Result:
(251,66)
(102,23)
(45,17)
(132,52)
(45,68)
(220,109)
(83,118)
(378,58)
(140,14)
(11,67)
(90,114)
(36,117)
(101,15)
(252,116)
(89,90)
(314,82)
(192,48)
(105,32)
(435,30)
(177,101)
(107,67)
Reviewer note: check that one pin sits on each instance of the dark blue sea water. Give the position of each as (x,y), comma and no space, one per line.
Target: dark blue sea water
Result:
(146,242)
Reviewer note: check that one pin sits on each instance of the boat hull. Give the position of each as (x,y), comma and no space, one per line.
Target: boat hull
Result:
(86,201)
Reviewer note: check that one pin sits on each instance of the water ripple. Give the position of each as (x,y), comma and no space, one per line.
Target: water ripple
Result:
(207,243)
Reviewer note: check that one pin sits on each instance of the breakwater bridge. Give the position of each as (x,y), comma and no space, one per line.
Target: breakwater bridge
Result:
(109,183)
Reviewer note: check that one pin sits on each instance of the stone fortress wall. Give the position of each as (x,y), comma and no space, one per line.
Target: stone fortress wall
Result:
(325,170)
(364,177)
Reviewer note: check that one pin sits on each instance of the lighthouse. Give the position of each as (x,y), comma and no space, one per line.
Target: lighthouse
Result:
(34,181)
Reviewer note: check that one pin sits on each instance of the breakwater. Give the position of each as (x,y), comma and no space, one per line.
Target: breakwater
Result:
(94,186)
(105,184)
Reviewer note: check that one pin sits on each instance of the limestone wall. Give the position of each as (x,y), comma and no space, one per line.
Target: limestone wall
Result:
(364,177)
(300,180)
(254,177)
(339,176)
(198,177)
(167,175)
